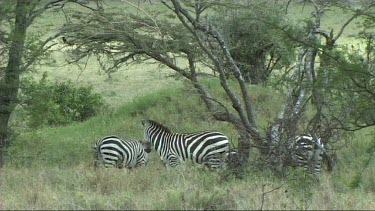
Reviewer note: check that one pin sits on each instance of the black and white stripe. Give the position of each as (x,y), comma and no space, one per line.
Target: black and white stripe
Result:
(115,152)
(174,148)
(307,152)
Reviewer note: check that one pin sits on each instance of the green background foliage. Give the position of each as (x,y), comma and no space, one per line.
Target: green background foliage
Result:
(58,163)
(254,39)
(49,103)
(52,167)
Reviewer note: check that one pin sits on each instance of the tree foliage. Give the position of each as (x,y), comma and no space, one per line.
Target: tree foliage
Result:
(256,46)
(58,103)
(19,50)
(183,31)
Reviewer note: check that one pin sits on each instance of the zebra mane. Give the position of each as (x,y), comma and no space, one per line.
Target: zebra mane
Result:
(157,124)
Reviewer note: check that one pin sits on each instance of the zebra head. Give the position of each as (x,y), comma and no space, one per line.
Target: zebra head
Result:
(145,123)
(152,133)
(146,145)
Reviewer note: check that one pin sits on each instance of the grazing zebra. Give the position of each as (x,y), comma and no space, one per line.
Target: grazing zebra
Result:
(174,148)
(115,152)
(232,164)
(307,152)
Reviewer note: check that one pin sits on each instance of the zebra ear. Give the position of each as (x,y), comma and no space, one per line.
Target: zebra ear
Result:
(320,143)
(145,122)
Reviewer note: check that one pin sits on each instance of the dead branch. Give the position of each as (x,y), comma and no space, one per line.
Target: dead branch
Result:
(264,194)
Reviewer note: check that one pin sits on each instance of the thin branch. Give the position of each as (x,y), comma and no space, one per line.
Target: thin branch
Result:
(41,50)
(287,6)
(237,105)
(358,13)
(165,60)
(98,5)
(124,59)
(363,87)
(223,116)
(250,120)
(264,194)
(39,11)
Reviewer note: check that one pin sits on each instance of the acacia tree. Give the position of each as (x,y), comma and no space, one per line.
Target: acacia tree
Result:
(10,79)
(257,48)
(329,88)
(183,31)
(18,53)
(165,40)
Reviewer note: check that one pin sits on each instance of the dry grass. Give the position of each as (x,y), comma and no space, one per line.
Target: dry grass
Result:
(120,87)
(70,182)
(151,187)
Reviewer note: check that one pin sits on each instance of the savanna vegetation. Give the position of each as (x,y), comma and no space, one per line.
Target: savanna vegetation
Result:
(71,77)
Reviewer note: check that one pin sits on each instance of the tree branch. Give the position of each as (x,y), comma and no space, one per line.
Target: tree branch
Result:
(50,4)
(264,194)
(355,15)
(248,118)
(41,50)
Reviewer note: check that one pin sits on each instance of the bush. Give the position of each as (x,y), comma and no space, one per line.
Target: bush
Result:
(58,103)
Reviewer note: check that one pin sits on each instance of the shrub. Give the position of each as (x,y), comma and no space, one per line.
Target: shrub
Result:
(58,103)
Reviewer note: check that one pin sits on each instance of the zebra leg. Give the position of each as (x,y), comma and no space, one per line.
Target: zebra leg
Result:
(97,158)
(172,161)
(96,163)
(214,161)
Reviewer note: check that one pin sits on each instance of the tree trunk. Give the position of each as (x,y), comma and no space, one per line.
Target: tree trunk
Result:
(10,82)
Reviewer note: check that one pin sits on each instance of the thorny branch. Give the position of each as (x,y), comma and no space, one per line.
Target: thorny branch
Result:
(264,194)
(211,43)
(247,118)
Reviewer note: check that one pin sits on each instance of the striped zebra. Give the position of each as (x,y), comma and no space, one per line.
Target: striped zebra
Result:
(174,148)
(115,152)
(307,152)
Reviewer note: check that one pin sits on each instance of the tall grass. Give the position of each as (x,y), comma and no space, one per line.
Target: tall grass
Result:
(152,187)
(51,168)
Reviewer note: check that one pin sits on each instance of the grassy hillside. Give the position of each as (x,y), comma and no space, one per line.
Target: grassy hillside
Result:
(52,168)
(55,164)
(177,107)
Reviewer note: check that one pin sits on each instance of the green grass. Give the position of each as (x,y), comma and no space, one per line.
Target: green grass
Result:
(52,168)
(123,86)
(167,106)
(56,166)
(127,83)
(333,19)
(152,187)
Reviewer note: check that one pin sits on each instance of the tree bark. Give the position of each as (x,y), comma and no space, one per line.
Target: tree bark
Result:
(10,82)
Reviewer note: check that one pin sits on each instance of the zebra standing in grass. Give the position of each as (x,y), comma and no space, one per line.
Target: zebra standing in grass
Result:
(115,152)
(307,152)
(174,148)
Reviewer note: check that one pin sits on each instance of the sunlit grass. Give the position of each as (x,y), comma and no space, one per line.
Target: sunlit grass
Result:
(119,87)
(56,164)
(52,168)
(152,187)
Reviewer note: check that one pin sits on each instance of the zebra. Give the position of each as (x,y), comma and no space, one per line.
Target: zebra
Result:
(307,152)
(116,152)
(174,148)
(232,163)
